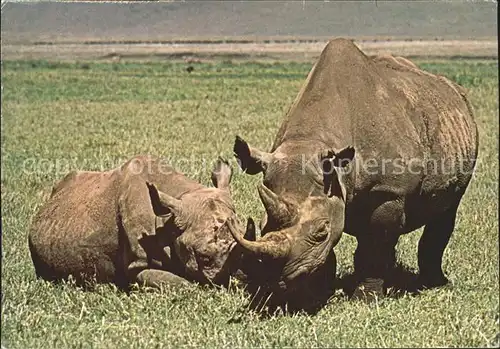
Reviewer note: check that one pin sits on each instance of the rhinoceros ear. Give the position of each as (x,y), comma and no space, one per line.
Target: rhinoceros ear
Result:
(333,165)
(221,174)
(251,160)
(163,204)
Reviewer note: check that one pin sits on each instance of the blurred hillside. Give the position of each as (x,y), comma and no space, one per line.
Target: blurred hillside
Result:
(252,20)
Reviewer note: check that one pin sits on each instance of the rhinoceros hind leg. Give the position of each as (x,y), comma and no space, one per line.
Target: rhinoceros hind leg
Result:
(431,247)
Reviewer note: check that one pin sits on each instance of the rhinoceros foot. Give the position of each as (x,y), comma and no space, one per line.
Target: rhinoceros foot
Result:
(427,282)
(369,289)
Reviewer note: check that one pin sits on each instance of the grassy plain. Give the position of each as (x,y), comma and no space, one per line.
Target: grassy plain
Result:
(62,116)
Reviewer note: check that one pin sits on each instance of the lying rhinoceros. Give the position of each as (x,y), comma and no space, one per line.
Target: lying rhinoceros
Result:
(142,222)
(374,147)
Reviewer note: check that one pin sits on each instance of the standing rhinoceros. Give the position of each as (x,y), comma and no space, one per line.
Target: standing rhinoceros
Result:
(142,222)
(374,147)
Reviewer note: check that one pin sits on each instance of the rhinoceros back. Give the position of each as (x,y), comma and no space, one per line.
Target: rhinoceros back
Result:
(76,232)
(441,114)
(393,114)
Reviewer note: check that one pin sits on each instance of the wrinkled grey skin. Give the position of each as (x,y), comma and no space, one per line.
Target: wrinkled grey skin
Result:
(142,222)
(317,182)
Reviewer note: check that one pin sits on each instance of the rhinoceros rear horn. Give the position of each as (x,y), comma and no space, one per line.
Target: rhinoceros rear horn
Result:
(277,208)
(274,246)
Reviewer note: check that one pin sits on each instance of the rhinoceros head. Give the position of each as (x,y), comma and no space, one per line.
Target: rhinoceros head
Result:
(205,245)
(304,198)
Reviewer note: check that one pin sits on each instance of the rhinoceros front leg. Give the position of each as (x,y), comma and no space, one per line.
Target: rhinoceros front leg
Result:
(138,222)
(155,278)
(374,258)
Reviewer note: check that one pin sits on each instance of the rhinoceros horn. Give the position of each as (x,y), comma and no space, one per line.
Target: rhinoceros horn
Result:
(273,245)
(276,208)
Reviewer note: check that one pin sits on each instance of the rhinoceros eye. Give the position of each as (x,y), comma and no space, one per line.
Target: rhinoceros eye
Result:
(204,259)
(321,231)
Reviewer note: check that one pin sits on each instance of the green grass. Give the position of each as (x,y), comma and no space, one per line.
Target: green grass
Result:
(95,115)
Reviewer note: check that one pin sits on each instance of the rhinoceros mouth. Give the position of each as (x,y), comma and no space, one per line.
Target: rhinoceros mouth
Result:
(297,273)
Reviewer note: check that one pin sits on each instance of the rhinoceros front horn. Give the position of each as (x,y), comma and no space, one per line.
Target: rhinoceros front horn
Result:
(273,246)
(275,207)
